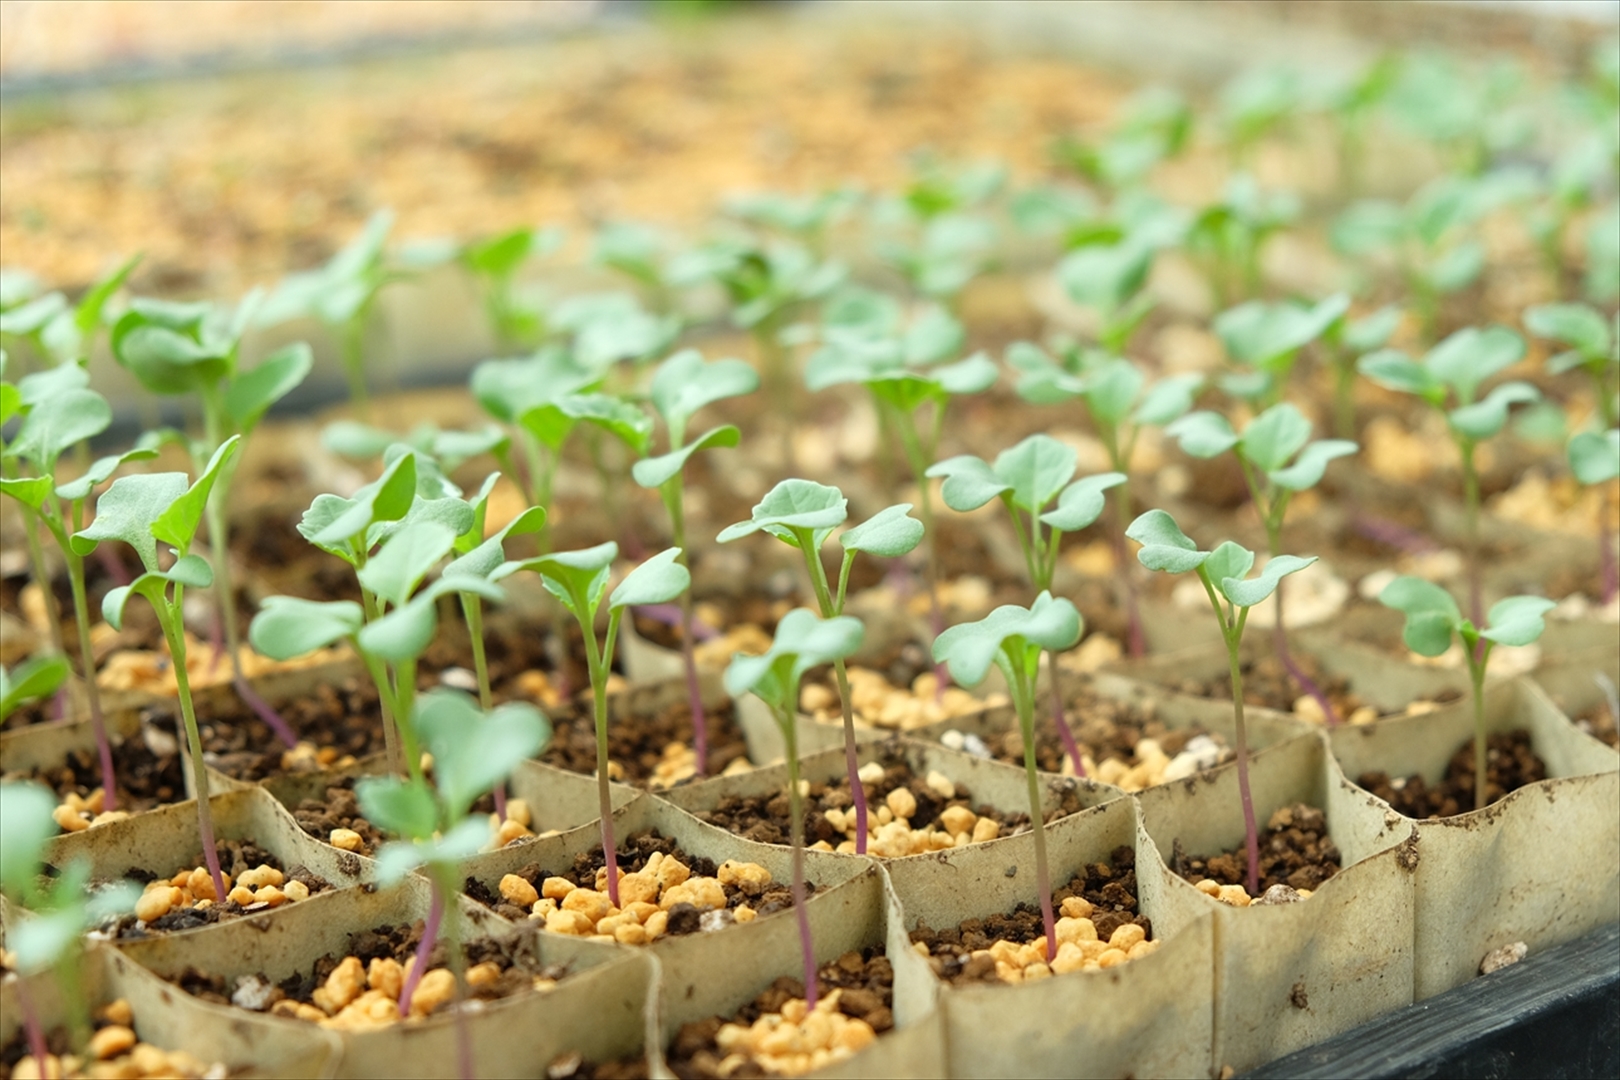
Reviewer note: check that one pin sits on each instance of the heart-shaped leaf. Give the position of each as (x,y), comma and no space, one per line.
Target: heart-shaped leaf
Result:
(1251,592)
(188,570)
(399,566)
(1471,355)
(576,577)
(177,525)
(57,424)
(887,534)
(1168,399)
(98,472)
(1082,502)
(166,361)
(127,510)
(1595,458)
(1164,546)
(1274,436)
(402,807)
(657,581)
(1488,416)
(462,842)
(655,472)
(1203,434)
(249,396)
(793,505)
(803,641)
(970,482)
(969,649)
(287,626)
(1431,613)
(1037,467)
(1517,620)
(685,383)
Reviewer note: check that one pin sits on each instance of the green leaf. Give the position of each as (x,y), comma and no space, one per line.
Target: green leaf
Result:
(1579,326)
(31,491)
(1037,468)
(573,576)
(25,818)
(405,559)
(1471,355)
(1595,458)
(188,570)
(969,649)
(39,387)
(1274,436)
(462,842)
(1431,614)
(969,482)
(931,337)
(1516,620)
(332,521)
(887,534)
(87,313)
(1229,560)
(487,557)
(1372,331)
(472,752)
(803,641)
(249,396)
(177,525)
(1111,388)
(657,581)
(1082,502)
(402,807)
(34,678)
(127,511)
(405,632)
(970,376)
(1308,468)
(684,384)
(54,426)
(10,400)
(1394,370)
(1251,592)
(1168,399)
(791,505)
(620,418)
(500,256)
(1485,418)
(655,472)
(509,388)
(1203,434)
(1457,267)
(33,316)
(165,361)
(1164,546)
(286,626)
(1267,335)
(1105,276)
(99,471)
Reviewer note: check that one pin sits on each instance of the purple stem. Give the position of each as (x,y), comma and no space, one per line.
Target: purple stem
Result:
(694,703)
(59,703)
(1392,534)
(671,615)
(1279,638)
(500,801)
(1064,732)
(36,1033)
(262,709)
(205,832)
(857,790)
(114,565)
(430,935)
(1135,640)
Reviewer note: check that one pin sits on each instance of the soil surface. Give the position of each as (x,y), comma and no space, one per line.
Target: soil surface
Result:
(1104,727)
(145,779)
(58,1041)
(1267,684)
(339,810)
(637,744)
(1295,850)
(1510,764)
(634,851)
(1110,887)
(866,979)
(235,858)
(765,819)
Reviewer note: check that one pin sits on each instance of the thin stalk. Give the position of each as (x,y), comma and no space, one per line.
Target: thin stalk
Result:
(796,821)
(1037,820)
(1344,403)
(472,609)
(354,361)
(430,935)
(1476,676)
(829,609)
(37,1045)
(919,456)
(1251,832)
(674,503)
(87,664)
(773,361)
(385,696)
(42,577)
(597,663)
(169,619)
(404,717)
(1609,572)
(1471,507)
(444,884)
(1070,746)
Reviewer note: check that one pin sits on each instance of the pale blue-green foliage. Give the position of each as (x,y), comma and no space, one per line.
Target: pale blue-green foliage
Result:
(1114,389)
(1028,476)
(791,507)
(950,251)
(142,510)
(1010,637)
(65,332)
(1591,339)
(550,393)
(609,327)
(1432,617)
(1594,457)
(1277,443)
(340,290)
(686,383)
(887,534)
(799,216)
(339,526)
(902,364)
(654,472)
(287,626)
(803,640)
(34,678)
(1166,548)
(1451,373)
(450,449)
(54,425)
(579,579)
(762,279)
(1267,337)
(25,826)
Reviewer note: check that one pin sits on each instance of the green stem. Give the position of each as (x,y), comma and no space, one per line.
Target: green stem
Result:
(597,664)
(405,717)
(830,609)
(379,676)
(1022,698)
(773,363)
(87,665)
(42,577)
(1476,677)
(472,608)
(1471,523)
(168,614)
(354,361)
(796,830)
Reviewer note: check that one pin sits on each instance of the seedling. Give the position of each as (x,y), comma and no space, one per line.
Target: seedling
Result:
(1153,126)
(1448,379)
(55,422)
(180,349)
(450,448)
(1108,274)
(1432,616)
(803,514)
(495,261)
(1256,104)
(802,642)
(142,511)
(949,252)
(1012,637)
(35,678)
(1592,346)
(1278,460)
(59,332)
(50,936)
(1265,339)
(578,579)
(1594,458)
(1120,403)
(473,751)
(1027,478)
(684,384)
(1228,235)
(1232,593)
(1469,119)
(1347,340)
(1352,105)
(805,219)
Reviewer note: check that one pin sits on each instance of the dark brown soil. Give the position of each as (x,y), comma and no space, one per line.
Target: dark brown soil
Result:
(400,943)
(634,851)
(339,810)
(1295,850)
(1110,887)
(1510,764)
(344,717)
(866,979)
(1598,722)
(58,1041)
(235,857)
(574,1067)
(1267,684)
(1104,727)
(765,820)
(145,779)
(636,743)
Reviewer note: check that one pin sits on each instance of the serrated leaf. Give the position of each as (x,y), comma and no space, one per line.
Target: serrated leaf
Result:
(887,534)
(127,511)
(1274,436)
(1203,434)
(287,627)
(98,472)
(249,396)
(654,472)
(402,807)
(1082,502)
(36,677)
(1164,546)
(1595,458)
(1037,468)
(657,581)
(685,383)
(1472,355)
(1488,416)
(1251,592)
(794,504)
(1308,469)
(177,525)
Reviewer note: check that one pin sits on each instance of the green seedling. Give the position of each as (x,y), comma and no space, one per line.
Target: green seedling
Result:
(1109,275)
(802,642)
(1028,478)
(579,579)
(1592,346)
(1232,594)
(803,514)
(1448,378)
(1012,638)
(1120,402)
(59,332)
(474,750)
(1432,617)
(1352,105)
(805,219)
(451,449)
(683,385)
(606,328)
(340,295)
(1254,105)
(53,423)
(1348,339)
(1228,236)
(949,251)
(1153,126)
(1278,460)
(1603,256)
(50,935)
(36,678)
(143,511)
(1579,177)
(1264,340)
(938,187)
(495,261)
(1470,119)
(1594,458)
(195,349)
(645,255)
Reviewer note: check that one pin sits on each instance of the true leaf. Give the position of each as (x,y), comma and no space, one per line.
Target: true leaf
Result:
(1037,468)
(1111,389)
(36,677)
(1274,436)
(472,752)
(685,383)
(657,581)
(177,525)
(570,575)
(55,425)
(249,396)
(287,626)
(98,472)
(483,560)
(400,564)
(1203,434)
(402,634)
(1471,355)
(331,521)
(887,534)
(1228,560)
(127,510)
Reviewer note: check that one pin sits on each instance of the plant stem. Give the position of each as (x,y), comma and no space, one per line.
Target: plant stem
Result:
(472,609)
(1279,641)
(42,577)
(87,664)
(1344,403)
(1064,731)
(354,361)
(920,456)
(1022,695)
(597,663)
(430,935)
(1471,507)
(37,1045)
(796,828)
(172,632)
(1609,573)
(830,608)
(444,884)
(1477,654)
(675,504)
(773,361)
(379,676)
(1251,832)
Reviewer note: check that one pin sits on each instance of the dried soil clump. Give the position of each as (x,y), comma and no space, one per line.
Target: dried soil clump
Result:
(255,879)
(907,814)
(647,751)
(1295,851)
(857,990)
(1510,764)
(1097,903)
(340,810)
